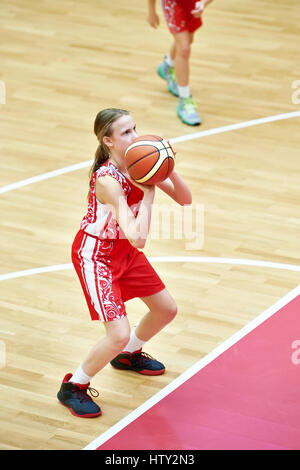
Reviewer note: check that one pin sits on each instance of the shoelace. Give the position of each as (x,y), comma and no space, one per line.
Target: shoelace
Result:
(83,396)
(189,105)
(141,358)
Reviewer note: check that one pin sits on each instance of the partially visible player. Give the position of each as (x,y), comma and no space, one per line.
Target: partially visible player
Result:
(183,18)
(110,266)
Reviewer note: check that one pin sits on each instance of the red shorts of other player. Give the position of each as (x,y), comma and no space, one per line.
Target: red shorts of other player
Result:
(178,15)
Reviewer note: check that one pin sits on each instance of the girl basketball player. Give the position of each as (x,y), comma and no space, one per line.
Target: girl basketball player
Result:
(183,18)
(110,266)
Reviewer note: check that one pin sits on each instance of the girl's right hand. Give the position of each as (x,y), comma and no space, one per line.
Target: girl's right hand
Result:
(146,188)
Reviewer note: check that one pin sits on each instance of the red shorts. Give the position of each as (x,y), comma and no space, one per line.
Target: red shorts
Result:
(179,17)
(110,273)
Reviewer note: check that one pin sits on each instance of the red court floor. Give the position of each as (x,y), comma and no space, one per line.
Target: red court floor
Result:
(248,397)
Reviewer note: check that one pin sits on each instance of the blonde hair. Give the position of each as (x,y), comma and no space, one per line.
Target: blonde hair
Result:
(102,128)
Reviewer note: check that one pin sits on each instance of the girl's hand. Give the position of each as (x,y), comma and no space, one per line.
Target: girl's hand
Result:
(198,10)
(171,148)
(173,171)
(146,188)
(153,19)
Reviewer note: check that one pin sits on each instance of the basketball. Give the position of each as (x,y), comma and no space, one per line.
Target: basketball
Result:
(149,159)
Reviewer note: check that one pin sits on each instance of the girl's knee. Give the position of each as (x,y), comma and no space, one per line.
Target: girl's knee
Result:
(174,310)
(183,46)
(120,341)
(118,338)
(171,310)
(185,51)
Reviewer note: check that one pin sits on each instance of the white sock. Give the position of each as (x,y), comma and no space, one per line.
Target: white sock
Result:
(184,91)
(80,377)
(134,343)
(169,61)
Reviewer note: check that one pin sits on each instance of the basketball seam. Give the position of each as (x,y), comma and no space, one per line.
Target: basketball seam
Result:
(167,158)
(165,145)
(136,161)
(143,142)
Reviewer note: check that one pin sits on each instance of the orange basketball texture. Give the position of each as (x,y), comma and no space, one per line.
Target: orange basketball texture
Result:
(149,159)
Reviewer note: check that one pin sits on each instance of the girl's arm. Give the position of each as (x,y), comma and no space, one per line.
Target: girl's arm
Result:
(152,18)
(176,188)
(136,229)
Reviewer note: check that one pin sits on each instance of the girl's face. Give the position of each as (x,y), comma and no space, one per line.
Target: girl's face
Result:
(123,132)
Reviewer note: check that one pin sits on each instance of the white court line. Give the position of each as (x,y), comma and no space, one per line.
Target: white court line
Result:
(193,370)
(234,127)
(30,272)
(196,135)
(163,259)
(45,176)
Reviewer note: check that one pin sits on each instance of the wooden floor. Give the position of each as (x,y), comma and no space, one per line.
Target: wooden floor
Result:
(63,61)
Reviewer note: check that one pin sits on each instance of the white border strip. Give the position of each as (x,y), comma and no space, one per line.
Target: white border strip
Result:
(163,259)
(192,370)
(196,135)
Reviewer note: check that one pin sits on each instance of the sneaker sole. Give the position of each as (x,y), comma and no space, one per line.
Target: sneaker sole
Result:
(187,122)
(173,92)
(88,415)
(143,372)
(160,73)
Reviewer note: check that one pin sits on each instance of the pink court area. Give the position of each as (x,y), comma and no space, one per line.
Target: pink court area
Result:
(248,398)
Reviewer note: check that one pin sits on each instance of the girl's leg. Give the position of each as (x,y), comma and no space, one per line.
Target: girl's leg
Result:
(172,53)
(181,51)
(117,336)
(186,108)
(73,390)
(162,310)
(175,67)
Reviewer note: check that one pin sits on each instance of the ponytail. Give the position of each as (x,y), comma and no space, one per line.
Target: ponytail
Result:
(101,155)
(102,128)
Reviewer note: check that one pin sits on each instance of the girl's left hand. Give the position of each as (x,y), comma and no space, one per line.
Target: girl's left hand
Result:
(199,8)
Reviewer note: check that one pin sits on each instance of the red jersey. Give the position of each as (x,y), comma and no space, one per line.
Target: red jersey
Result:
(109,268)
(99,221)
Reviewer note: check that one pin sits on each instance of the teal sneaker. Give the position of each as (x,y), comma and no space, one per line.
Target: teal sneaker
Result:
(168,73)
(187,111)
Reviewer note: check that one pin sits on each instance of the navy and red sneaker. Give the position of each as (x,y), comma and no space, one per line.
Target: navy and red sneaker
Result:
(138,361)
(75,397)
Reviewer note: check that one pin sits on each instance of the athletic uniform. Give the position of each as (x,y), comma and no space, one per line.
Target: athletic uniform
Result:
(178,15)
(111,271)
